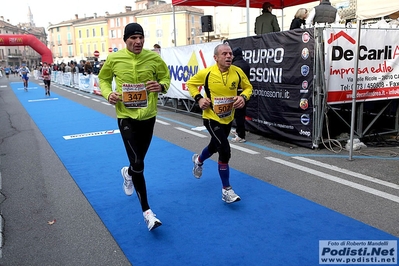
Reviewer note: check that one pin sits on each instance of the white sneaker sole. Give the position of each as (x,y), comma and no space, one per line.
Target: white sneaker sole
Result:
(236,200)
(123,185)
(196,176)
(156,225)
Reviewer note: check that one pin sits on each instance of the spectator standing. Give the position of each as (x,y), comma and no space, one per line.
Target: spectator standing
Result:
(74,73)
(157,48)
(62,67)
(267,22)
(299,19)
(239,114)
(15,70)
(323,13)
(88,68)
(96,66)
(140,75)
(221,82)
(81,66)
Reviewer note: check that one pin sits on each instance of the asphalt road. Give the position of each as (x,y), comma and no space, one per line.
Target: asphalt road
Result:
(35,185)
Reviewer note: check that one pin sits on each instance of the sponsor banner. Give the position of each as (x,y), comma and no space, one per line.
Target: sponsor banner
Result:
(363,252)
(92,134)
(378,65)
(17,40)
(184,62)
(85,83)
(282,78)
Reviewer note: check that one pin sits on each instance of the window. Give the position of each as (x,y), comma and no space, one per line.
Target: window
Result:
(69,39)
(80,34)
(94,32)
(118,24)
(103,47)
(70,50)
(147,34)
(87,33)
(81,49)
(88,50)
(102,31)
(159,33)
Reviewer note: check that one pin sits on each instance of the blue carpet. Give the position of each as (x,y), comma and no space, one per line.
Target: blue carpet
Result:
(269,226)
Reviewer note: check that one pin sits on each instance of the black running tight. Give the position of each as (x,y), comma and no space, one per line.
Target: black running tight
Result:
(137,136)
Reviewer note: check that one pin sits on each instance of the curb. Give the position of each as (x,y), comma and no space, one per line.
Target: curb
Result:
(2,199)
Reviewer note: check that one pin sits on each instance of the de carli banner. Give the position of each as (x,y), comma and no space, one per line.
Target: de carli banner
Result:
(282,77)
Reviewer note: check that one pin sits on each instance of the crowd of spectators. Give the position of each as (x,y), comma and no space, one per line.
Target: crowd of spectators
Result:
(84,67)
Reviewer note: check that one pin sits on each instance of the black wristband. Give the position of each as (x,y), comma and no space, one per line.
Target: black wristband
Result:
(198,97)
(163,88)
(245,97)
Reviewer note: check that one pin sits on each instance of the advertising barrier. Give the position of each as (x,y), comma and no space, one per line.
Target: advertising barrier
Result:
(282,78)
(378,71)
(296,75)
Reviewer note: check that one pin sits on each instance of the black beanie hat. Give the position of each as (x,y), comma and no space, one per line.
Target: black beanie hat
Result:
(237,51)
(132,29)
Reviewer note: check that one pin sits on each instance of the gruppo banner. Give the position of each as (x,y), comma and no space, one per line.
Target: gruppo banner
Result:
(184,62)
(378,65)
(282,78)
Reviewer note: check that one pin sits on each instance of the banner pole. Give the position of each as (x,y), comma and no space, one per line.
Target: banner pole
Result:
(354,89)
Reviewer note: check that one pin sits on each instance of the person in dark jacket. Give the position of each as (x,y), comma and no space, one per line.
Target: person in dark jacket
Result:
(299,19)
(323,13)
(239,115)
(267,22)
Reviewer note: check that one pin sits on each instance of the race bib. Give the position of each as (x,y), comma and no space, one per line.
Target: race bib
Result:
(134,95)
(223,106)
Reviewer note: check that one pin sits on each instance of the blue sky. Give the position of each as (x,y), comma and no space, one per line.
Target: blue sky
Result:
(45,11)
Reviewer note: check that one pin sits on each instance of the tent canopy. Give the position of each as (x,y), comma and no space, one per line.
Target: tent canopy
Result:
(277,4)
(368,9)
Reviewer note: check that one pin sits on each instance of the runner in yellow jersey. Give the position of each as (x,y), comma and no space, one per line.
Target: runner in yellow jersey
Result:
(218,102)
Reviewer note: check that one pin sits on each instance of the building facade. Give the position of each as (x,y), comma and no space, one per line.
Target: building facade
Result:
(15,56)
(78,39)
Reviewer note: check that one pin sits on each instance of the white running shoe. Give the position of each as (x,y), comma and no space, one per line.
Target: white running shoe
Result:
(233,132)
(197,169)
(229,196)
(150,220)
(127,181)
(238,139)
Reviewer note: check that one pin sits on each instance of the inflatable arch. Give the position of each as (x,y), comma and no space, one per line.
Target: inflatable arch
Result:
(30,40)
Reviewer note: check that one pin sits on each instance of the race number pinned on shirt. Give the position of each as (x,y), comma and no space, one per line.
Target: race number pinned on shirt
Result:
(222,106)
(134,95)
